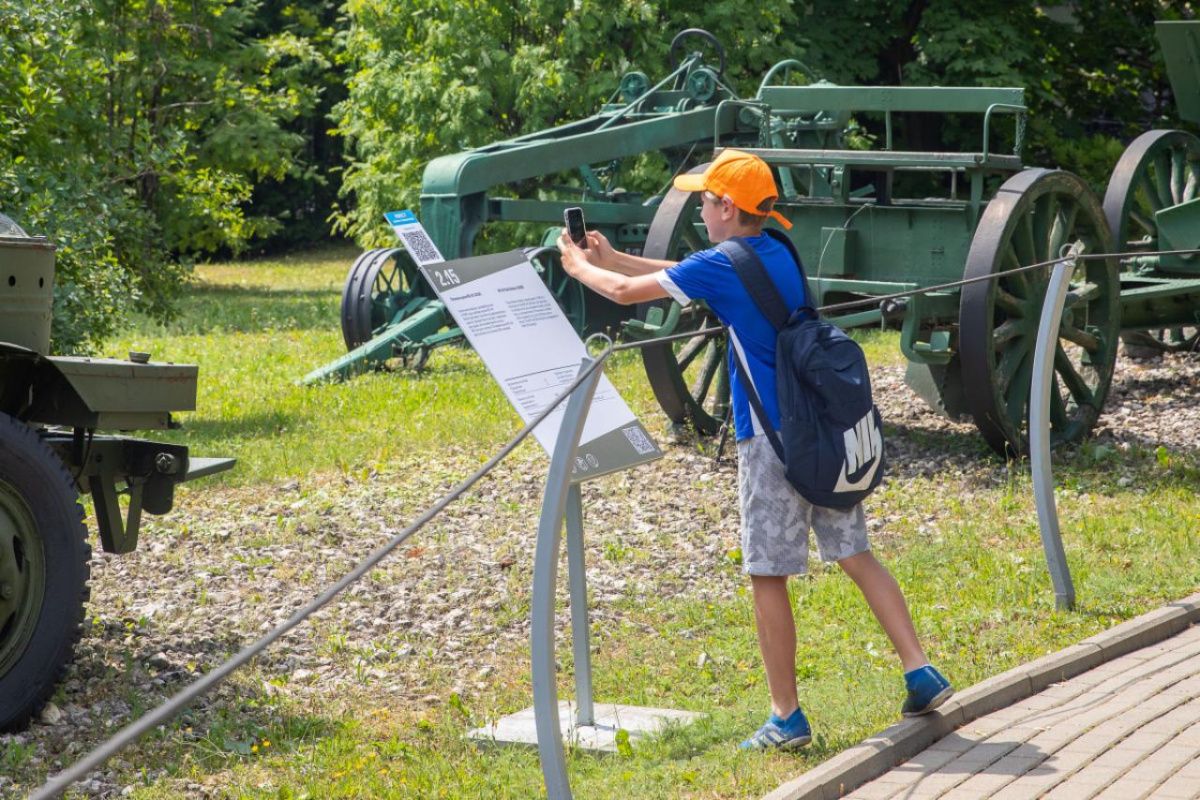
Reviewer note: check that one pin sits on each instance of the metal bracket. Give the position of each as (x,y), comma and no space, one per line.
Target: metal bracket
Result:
(118,534)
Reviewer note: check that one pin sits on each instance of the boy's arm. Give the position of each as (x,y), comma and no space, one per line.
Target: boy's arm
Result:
(602,254)
(617,286)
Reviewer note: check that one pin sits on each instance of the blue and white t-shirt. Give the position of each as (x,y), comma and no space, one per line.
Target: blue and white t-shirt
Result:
(709,276)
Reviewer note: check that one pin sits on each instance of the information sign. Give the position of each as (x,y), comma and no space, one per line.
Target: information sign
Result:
(515,325)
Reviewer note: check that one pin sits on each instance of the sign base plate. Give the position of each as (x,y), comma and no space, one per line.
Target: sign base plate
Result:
(521,729)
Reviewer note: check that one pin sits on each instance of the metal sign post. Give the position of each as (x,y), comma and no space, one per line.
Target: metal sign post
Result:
(592,726)
(1039,430)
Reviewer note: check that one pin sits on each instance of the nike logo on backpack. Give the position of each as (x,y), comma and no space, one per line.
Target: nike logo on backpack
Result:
(864,443)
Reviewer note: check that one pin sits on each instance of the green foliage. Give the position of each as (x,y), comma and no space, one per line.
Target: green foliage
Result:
(138,134)
(132,134)
(454,74)
(302,200)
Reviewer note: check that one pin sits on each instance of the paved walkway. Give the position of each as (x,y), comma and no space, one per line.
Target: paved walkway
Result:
(1127,729)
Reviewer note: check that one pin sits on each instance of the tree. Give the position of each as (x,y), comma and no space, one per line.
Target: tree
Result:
(132,133)
(453,74)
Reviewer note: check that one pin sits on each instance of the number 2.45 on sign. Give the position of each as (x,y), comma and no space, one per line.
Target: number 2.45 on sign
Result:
(446,277)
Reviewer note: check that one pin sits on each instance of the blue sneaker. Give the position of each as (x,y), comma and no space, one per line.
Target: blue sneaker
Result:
(927,689)
(780,734)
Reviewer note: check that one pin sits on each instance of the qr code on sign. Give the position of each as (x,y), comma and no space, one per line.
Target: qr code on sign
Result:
(420,246)
(641,443)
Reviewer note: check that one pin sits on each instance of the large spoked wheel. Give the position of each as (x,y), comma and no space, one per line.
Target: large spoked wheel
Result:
(1159,169)
(569,293)
(380,283)
(689,377)
(1035,217)
(43,572)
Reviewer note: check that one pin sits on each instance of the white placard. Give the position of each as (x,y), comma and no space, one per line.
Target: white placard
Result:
(516,326)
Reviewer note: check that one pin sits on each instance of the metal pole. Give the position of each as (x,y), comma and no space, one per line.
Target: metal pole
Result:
(545,572)
(1039,432)
(577,581)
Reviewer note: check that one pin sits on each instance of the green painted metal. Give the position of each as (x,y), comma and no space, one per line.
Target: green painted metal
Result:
(857,227)
(405,338)
(51,409)
(26,291)
(84,395)
(123,394)
(1149,301)
(1180,43)
(867,222)
(1179,229)
(922,99)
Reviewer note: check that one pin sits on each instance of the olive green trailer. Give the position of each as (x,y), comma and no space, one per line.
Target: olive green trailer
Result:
(52,411)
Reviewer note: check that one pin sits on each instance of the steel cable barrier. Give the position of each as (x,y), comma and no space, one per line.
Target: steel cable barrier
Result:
(57,784)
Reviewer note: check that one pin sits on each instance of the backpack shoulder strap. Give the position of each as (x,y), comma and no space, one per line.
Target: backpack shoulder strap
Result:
(787,242)
(756,404)
(758,283)
(762,291)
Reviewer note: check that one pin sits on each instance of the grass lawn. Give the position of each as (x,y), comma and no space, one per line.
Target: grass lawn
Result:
(964,546)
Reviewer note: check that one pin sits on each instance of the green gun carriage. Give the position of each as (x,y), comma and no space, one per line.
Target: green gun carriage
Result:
(870,220)
(51,452)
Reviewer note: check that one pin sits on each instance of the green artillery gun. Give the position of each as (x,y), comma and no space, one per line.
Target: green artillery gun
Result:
(51,408)
(1153,204)
(867,222)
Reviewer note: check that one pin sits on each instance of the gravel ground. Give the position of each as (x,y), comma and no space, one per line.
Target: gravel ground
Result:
(450,608)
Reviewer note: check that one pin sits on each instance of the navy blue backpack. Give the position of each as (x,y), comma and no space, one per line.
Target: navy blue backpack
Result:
(831,435)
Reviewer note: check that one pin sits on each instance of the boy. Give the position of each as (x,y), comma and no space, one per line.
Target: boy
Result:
(738,195)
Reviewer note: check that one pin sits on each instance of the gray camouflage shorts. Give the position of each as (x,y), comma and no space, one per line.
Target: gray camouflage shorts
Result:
(776,519)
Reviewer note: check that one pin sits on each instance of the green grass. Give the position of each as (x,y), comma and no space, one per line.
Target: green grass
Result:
(256,329)
(981,601)
(965,548)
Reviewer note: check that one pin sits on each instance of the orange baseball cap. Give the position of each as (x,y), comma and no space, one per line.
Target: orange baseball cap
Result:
(743,177)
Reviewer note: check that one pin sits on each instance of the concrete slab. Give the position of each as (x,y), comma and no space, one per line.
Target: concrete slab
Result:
(521,728)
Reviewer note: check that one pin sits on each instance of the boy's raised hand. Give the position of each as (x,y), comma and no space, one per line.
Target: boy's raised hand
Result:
(600,252)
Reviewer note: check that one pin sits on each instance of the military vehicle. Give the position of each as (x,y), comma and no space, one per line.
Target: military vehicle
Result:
(52,409)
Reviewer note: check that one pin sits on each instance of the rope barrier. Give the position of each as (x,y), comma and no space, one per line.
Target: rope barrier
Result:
(940,287)
(55,786)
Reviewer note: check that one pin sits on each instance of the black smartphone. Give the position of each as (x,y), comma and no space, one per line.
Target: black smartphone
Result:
(575,229)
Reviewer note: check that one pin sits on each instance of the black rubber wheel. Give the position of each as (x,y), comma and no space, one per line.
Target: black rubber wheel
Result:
(689,377)
(380,283)
(1034,215)
(43,572)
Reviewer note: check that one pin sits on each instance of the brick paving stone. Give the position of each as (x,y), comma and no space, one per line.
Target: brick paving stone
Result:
(1126,730)
(984,753)
(1128,790)
(1191,736)
(955,743)
(931,760)
(873,791)
(1177,787)
(984,783)
(1028,787)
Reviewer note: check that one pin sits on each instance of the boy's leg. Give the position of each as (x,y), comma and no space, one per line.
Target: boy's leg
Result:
(776,640)
(887,603)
